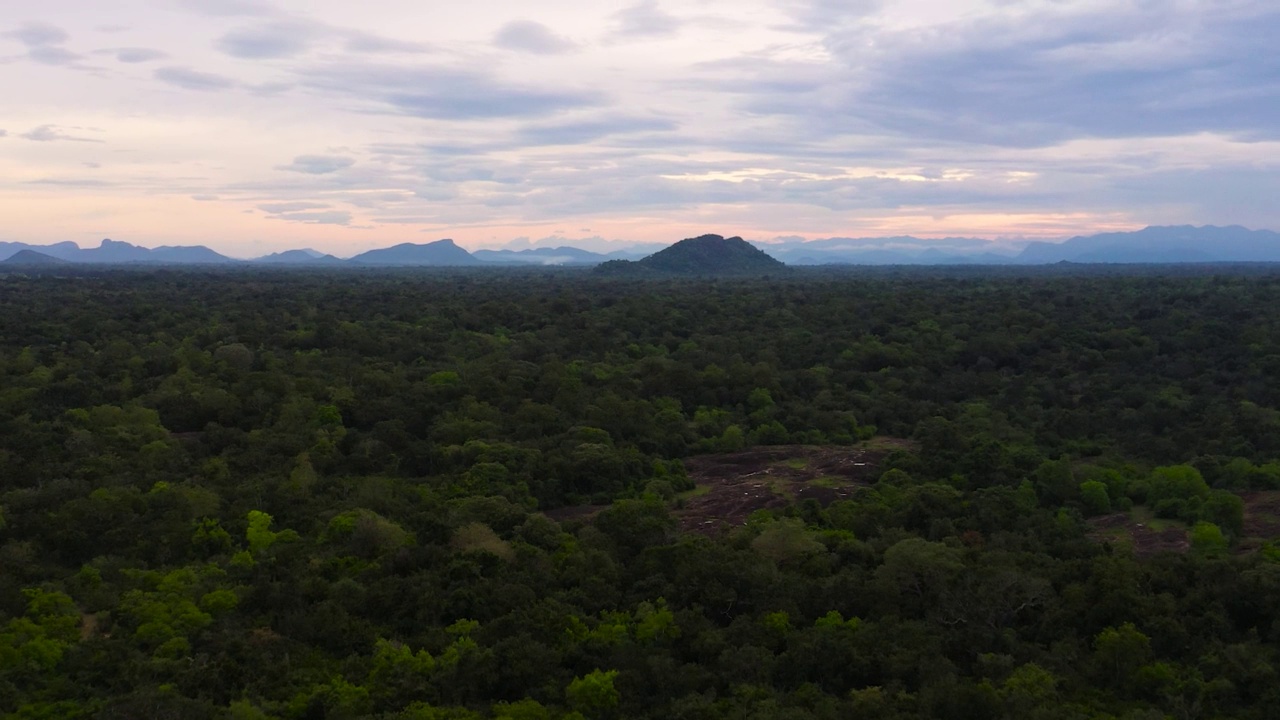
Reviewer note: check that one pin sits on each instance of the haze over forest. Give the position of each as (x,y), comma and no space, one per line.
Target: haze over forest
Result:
(255,127)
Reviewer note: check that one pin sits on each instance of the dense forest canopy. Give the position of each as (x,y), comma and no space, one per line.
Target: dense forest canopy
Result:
(274,494)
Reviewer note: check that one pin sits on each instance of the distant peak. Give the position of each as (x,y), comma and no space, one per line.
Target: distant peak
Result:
(704,255)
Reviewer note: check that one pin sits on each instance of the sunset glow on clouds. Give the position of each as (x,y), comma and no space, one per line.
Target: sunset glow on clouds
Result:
(254,126)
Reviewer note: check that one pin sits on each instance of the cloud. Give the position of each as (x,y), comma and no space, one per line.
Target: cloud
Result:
(318,164)
(444,93)
(758,75)
(531,37)
(275,40)
(328,217)
(230,8)
(362,42)
(193,79)
(51,133)
(645,20)
(51,55)
(580,132)
(138,55)
(808,116)
(4,133)
(291,207)
(1133,70)
(39,35)
(44,43)
(822,15)
(310,213)
(270,89)
(70,182)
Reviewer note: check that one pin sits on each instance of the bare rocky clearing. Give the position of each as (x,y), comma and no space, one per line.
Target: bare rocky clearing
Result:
(734,485)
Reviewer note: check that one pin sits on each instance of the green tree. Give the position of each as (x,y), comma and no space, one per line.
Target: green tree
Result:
(594,694)
(259,533)
(1207,539)
(1120,652)
(1095,497)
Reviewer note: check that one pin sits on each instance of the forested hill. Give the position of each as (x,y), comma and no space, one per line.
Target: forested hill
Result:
(439,253)
(31,257)
(552,496)
(701,256)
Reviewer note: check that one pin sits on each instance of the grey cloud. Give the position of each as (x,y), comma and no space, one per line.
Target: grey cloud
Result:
(291,207)
(756,74)
(276,40)
(138,55)
(480,170)
(822,15)
(328,217)
(318,164)
(4,133)
(1141,70)
(192,79)
(51,133)
(361,42)
(52,55)
(398,150)
(70,182)
(574,133)
(230,8)
(410,220)
(44,44)
(39,35)
(444,93)
(371,200)
(531,37)
(1218,195)
(645,19)
(270,89)
(205,198)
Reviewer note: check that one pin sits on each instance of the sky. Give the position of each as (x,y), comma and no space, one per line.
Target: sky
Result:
(253,126)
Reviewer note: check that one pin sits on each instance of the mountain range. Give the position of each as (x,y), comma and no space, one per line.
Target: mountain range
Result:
(1170,244)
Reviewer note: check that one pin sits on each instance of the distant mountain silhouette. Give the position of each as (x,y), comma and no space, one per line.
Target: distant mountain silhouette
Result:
(1177,244)
(187,255)
(705,255)
(115,252)
(900,250)
(541,256)
(112,251)
(298,257)
(31,257)
(715,255)
(57,250)
(441,253)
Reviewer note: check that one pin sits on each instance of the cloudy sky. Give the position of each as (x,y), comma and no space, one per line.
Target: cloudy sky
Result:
(256,125)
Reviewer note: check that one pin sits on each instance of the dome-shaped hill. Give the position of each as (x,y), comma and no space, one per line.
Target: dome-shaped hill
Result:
(31,257)
(705,255)
(442,253)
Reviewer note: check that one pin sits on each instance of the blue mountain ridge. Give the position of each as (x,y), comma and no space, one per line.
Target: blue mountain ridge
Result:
(1156,244)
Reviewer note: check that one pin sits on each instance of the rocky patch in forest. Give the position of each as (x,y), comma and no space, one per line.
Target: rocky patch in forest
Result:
(1146,538)
(731,486)
(1149,535)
